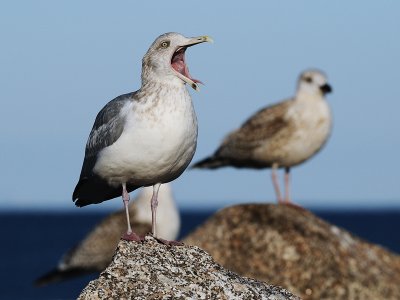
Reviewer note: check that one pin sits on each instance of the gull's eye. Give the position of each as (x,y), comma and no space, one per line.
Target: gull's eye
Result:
(308,79)
(165,44)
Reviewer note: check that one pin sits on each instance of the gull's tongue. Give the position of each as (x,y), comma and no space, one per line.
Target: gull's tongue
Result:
(179,65)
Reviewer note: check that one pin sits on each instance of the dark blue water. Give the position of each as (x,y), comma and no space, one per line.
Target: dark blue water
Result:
(32,243)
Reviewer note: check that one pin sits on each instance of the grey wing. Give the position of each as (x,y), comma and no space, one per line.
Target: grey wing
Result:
(106,130)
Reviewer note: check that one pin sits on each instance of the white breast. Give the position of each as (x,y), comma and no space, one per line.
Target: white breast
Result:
(158,141)
(312,123)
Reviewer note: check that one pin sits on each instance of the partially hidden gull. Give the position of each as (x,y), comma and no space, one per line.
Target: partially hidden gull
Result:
(144,138)
(94,252)
(282,135)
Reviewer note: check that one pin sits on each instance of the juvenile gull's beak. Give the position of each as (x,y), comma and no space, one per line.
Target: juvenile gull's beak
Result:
(178,60)
(326,88)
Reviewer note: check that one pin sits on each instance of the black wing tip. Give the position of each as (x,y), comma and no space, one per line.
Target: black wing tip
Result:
(57,275)
(77,198)
(211,162)
(82,202)
(96,190)
(54,275)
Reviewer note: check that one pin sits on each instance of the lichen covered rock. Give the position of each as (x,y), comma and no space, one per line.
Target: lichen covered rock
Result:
(292,248)
(151,270)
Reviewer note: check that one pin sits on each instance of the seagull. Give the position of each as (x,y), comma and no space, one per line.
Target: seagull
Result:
(283,135)
(95,251)
(143,138)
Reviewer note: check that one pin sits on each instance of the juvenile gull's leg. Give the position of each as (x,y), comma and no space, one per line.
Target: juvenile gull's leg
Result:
(287,200)
(287,185)
(275,182)
(129,235)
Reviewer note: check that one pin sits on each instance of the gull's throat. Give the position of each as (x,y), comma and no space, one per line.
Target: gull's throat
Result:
(179,65)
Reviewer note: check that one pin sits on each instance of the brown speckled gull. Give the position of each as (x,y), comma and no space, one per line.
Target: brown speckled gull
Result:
(281,135)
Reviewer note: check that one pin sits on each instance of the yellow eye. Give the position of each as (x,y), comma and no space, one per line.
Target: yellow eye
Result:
(165,44)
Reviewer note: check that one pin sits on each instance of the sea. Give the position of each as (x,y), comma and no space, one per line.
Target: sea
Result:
(33,242)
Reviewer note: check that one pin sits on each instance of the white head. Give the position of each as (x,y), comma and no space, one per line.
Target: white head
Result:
(165,59)
(168,217)
(313,82)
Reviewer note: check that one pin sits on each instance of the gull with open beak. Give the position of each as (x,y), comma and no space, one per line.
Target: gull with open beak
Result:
(147,137)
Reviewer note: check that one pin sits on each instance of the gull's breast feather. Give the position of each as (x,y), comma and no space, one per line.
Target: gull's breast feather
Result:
(157,144)
(308,130)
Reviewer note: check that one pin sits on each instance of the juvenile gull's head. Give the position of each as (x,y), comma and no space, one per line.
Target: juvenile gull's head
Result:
(165,59)
(313,82)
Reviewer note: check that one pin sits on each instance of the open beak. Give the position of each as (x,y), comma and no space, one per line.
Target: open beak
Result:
(198,40)
(178,61)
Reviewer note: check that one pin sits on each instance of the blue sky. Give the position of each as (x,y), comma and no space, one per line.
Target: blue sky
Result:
(62,61)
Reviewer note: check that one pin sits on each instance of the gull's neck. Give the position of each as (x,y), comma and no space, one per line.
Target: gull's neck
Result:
(155,92)
(152,80)
(308,98)
(157,86)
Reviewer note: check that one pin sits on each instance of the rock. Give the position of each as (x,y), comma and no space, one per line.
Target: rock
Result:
(151,270)
(292,248)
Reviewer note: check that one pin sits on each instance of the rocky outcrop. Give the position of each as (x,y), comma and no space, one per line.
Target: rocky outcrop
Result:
(291,247)
(151,270)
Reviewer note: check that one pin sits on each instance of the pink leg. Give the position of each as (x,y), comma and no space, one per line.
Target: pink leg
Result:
(154,204)
(275,182)
(287,185)
(129,235)
(288,201)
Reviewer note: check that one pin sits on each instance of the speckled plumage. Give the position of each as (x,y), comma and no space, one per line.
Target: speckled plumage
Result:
(281,135)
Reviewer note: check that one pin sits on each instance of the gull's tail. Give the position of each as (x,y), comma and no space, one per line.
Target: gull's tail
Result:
(211,162)
(57,275)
